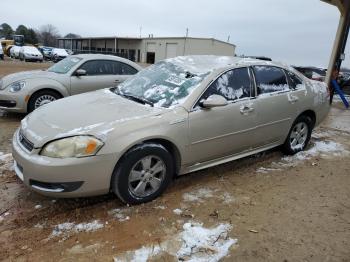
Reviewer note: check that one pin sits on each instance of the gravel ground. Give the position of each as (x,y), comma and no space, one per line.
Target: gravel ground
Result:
(271,207)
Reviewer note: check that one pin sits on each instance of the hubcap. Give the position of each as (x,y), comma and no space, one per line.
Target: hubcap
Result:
(298,136)
(146,176)
(42,100)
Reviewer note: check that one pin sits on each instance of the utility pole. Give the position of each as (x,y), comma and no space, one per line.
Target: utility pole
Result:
(140,31)
(185,41)
(228,39)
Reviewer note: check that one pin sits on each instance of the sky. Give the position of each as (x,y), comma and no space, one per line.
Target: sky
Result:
(297,32)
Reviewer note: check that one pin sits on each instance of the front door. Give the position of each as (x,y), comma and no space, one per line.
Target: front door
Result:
(226,130)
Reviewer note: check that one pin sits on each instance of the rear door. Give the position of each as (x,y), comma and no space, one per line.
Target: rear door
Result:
(226,130)
(277,104)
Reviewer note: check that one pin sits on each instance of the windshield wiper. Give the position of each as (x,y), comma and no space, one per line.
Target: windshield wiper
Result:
(132,97)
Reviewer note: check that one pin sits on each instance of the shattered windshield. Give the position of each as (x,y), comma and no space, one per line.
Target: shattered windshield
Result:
(163,84)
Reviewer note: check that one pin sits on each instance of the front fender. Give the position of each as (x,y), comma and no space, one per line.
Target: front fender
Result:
(34,85)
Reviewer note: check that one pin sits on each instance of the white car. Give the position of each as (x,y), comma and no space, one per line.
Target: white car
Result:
(1,53)
(58,54)
(14,51)
(30,53)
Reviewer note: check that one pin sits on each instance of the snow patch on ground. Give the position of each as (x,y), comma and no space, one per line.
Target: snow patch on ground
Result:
(198,195)
(193,243)
(265,170)
(319,148)
(69,228)
(118,214)
(322,149)
(2,217)
(203,244)
(177,211)
(6,162)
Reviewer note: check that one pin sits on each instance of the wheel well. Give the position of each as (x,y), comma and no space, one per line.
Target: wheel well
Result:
(311,114)
(45,89)
(173,150)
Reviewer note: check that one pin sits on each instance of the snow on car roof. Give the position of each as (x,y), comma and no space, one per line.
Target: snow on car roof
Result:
(202,64)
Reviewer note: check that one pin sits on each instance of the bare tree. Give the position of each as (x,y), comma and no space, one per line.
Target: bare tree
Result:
(48,35)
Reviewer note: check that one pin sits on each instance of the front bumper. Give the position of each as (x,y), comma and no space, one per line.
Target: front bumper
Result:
(33,57)
(13,102)
(70,177)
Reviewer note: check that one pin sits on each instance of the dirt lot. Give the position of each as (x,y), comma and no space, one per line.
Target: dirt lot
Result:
(265,208)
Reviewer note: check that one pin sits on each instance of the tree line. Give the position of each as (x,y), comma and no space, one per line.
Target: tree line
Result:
(46,35)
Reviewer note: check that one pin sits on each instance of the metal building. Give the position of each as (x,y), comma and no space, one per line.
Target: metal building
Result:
(148,50)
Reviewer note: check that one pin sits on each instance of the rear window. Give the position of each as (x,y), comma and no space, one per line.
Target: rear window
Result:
(270,79)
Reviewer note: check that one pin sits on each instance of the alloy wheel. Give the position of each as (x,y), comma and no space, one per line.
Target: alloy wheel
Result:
(298,136)
(146,176)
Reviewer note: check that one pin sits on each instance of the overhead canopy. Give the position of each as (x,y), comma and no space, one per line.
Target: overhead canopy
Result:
(341,4)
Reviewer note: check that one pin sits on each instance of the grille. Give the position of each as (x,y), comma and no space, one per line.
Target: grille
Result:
(25,142)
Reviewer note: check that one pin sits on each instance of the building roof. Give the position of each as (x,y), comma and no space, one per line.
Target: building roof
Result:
(144,38)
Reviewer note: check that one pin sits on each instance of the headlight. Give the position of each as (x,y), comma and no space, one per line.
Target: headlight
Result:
(17,86)
(76,146)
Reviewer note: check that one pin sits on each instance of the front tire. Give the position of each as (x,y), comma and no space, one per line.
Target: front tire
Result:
(41,98)
(143,173)
(299,135)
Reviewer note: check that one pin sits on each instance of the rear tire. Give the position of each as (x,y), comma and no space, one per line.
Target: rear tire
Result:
(298,136)
(40,98)
(143,173)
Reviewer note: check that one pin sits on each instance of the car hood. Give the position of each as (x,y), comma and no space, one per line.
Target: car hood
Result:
(93,113)
(9,79)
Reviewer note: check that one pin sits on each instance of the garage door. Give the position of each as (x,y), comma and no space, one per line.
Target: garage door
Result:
(171,50)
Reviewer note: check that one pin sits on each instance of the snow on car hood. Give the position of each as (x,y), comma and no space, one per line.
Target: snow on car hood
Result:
(93,113)
(9,79)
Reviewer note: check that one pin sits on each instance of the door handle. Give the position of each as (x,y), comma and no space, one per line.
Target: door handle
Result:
(293,99)
(246,109)
(117,81)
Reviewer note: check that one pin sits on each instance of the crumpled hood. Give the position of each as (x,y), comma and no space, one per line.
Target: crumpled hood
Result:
(9,79)
(93,113)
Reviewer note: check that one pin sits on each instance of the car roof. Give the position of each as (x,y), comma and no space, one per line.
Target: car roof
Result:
(201,64)
(103,56)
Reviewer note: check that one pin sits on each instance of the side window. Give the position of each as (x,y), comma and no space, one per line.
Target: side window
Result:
(294,81)
(98,67)
(232,85)
(270,79)
(123,69)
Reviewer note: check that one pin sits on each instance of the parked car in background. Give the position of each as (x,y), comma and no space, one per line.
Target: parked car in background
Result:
(14,51)
(46,52)
(313,73)
(30,53)
(1,53)
(26,91)
(57,54)
(70,52)
(177,116)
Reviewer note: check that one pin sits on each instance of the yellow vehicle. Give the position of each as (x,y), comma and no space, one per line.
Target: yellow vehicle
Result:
(7,44)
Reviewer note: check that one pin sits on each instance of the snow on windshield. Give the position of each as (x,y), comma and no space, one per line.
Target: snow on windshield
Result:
(164,84)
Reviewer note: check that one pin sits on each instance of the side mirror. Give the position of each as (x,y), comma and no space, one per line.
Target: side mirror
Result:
(214,101)
(80,72)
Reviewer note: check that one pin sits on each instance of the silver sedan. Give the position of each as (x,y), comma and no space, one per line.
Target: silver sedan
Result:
(175,117)
(24,92)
